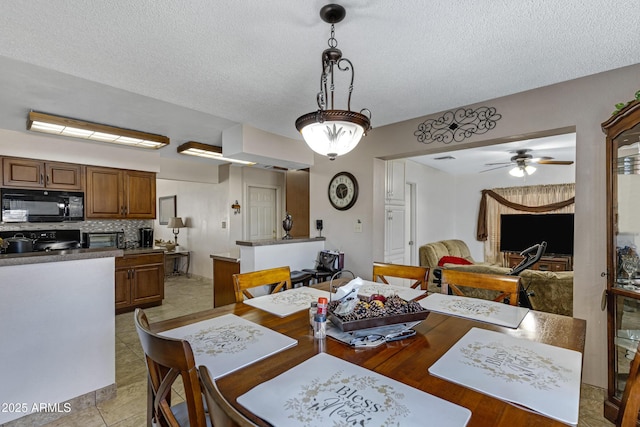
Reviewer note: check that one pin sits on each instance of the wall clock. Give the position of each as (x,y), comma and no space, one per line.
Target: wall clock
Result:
(343,191)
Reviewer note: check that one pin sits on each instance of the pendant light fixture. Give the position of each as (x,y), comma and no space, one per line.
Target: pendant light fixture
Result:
(328,131)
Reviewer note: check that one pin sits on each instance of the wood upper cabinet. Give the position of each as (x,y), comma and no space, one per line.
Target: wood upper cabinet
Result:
(29,173)
(139,281)
(118,193)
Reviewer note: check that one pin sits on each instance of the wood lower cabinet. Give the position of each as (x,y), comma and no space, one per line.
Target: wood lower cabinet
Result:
(546,263)
(120,194)
(223,289)
(139,281)
(30,173)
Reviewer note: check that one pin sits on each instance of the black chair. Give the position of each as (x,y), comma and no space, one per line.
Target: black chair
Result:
(327,264)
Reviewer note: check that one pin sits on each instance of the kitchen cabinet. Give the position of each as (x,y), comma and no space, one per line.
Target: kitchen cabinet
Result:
(120,194)
(139,281)
(623,241)
(395,180)
(30,173)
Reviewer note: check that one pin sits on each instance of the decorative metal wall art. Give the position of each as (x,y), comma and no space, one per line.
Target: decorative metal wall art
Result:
(457,125)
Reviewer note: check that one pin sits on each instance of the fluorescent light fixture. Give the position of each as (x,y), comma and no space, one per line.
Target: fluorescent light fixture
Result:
(199,149)
(520,171)
(64,126)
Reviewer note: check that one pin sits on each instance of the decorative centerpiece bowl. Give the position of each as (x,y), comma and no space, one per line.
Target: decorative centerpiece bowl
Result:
(373,313)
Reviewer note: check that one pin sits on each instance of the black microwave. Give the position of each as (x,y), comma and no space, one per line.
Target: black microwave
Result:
(41,205)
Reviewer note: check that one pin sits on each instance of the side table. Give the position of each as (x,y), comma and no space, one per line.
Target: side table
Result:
(181,262)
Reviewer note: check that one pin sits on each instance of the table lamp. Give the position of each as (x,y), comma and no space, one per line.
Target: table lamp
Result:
(176,223)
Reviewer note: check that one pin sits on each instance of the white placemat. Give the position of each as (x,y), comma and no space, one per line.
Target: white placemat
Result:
(227,343)
(540,377)
(288,302)
(493,312)
(327,391)
(369,288)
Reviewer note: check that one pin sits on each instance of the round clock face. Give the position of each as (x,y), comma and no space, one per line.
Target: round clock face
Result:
(343,191)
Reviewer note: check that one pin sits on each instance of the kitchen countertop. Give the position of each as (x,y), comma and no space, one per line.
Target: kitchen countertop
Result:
(232,256)
(57,256)
(278,241)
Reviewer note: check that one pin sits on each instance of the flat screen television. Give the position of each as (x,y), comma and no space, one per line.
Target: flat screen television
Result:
(521,231)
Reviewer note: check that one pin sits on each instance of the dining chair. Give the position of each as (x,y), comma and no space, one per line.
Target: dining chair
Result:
(167,359)
(417,274)
(630,403)
(221,412)
(507,286)
(279,277)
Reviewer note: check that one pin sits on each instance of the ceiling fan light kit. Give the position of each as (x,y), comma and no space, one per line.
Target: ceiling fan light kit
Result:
(520,171)
(523,161)
(328,131)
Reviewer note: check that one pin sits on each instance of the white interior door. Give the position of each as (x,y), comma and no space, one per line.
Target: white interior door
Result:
(262,213)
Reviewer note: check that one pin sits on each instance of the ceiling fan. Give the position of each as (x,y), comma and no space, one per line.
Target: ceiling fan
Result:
(522,163)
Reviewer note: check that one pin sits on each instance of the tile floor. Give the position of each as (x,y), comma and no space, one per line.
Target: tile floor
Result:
(184,296)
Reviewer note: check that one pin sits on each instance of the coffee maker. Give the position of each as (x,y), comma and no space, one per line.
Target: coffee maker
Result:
(146,237)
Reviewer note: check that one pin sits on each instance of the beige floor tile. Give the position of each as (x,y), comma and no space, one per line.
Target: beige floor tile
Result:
(131,401)
(89,417)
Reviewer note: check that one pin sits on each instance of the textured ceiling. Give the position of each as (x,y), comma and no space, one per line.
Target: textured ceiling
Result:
(189,69)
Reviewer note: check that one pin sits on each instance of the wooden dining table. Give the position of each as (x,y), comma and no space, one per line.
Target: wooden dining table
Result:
(406,361)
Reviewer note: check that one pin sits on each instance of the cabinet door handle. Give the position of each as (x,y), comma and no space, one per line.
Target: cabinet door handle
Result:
(48,179)
(41,178)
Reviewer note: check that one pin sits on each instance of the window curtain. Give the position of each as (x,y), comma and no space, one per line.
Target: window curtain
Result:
(557,198)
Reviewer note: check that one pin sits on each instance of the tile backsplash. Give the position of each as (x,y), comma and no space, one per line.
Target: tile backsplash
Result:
(129,226)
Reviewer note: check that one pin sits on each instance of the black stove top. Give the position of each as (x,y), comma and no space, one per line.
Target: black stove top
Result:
(47,240)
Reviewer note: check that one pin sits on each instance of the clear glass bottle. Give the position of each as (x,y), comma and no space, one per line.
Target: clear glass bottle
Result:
(313,310)
(320,326)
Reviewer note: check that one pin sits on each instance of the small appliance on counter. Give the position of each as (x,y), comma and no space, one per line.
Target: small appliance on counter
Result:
(146,237)
(22,241)
(104,239)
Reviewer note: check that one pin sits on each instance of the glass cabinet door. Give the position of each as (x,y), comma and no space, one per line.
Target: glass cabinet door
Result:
(623,260)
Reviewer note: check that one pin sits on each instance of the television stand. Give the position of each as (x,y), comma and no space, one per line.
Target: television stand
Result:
(546,263)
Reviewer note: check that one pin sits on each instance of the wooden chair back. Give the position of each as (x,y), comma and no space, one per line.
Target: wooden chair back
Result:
(630,403)
(221,412)
(279,277)
(167,359)
(417,274)
(508,286)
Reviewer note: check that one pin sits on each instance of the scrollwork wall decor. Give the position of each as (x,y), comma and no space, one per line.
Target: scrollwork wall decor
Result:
(457,125)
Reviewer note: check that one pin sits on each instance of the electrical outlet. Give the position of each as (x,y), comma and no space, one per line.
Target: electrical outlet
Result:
(224,224)
(358,227)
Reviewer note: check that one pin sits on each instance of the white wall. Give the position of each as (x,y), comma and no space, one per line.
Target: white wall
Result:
(205,206)
(435,194)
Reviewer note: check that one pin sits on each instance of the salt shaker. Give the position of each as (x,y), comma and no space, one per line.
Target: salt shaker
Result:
(313,310)
(320,326)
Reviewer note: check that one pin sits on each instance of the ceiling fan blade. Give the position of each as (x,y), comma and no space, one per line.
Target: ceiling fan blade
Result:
(555,162)
(499,167)
(500,163)
(540,159)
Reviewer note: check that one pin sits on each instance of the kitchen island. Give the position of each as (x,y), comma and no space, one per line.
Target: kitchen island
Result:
(58,332)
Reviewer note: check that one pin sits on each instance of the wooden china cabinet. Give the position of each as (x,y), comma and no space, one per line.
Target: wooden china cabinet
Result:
(623,237)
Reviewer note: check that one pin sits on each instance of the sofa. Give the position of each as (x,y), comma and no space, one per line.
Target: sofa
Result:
(552,291)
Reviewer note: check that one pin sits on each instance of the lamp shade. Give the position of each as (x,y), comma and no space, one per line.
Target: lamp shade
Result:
(332,137)
(176,222)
